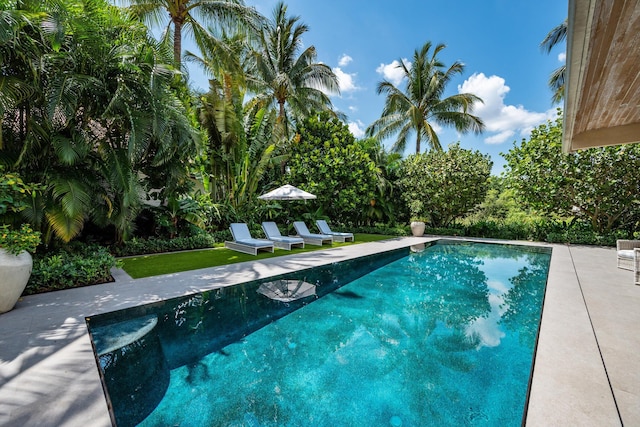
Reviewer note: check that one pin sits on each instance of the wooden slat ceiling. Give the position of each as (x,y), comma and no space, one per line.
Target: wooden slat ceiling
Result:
(602,92)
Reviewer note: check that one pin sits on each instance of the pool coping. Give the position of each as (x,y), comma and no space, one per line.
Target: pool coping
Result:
(583,373)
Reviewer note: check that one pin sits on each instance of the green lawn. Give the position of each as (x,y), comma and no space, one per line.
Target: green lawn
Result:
(153,265)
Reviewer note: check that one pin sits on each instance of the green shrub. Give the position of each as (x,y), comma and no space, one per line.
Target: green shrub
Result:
(380,229)
(156,245)
(507,230)
(221,236)
(586,237)
(541,230)
(443,186)
(16,241)
(445,231)
(78,265)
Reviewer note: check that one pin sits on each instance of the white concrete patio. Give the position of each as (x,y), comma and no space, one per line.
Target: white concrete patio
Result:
(586,370)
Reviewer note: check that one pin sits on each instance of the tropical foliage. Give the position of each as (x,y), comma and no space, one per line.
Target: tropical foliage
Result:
(79,265)
(557,78)
(15,196)
(422,106)
(239,148)
(280,73)
(16,241)
(101,114)
(96,120)
(599,184)
(192,16)
(441,186)
(383,208)
(327,161)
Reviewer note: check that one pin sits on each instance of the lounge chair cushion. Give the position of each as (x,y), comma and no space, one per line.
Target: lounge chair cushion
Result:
(302,230)
(339,236)
(242,235)
(626,254)
(324,228)
(272,232)
(243,242)
(256,243)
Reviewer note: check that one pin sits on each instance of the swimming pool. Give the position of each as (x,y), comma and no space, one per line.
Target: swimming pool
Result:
(441,337)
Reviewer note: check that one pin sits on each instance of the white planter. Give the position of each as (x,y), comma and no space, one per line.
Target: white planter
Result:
(14,275)
(417,228)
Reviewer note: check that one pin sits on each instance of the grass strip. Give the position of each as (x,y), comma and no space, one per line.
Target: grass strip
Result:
(153,265)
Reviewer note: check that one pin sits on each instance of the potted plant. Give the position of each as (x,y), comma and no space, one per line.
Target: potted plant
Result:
(417,223)
(15,244)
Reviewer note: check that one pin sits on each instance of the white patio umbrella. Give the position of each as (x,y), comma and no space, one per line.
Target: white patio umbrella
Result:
(287,290)
(287,192)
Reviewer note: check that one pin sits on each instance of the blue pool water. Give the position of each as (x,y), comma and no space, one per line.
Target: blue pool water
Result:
(441,337)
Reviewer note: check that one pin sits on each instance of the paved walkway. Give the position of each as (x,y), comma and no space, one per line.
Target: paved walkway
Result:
(587,369)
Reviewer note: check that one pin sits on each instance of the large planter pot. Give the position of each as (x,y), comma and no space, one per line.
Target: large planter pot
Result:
(14,275)
(417,228)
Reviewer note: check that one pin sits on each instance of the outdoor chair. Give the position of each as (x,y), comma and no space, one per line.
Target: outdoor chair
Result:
(283,242)
(636,266)
(337,236)
(243,242)
(625,253)
(309,237)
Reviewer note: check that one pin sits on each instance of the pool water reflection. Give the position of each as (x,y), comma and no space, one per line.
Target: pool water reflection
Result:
(445,336)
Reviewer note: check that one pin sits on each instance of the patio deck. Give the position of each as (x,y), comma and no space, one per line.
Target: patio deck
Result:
(587,367)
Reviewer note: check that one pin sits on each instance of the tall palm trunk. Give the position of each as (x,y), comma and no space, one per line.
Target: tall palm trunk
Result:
(178,21)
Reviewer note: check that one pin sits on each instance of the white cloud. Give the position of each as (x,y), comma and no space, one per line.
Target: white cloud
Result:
(488,328)
(353,108)
(344,60)
(345,80)
(393,72)
(501,120)
(562,57)
(357,128)
(499,138)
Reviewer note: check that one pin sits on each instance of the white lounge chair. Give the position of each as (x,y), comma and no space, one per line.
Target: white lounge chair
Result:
(309,237)
(625,253)
(337,236)
(283,242)
(243,242)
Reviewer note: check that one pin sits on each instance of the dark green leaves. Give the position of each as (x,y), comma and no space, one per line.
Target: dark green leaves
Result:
(440,186)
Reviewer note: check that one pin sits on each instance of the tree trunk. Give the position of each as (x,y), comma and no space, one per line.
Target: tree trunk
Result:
(177,42)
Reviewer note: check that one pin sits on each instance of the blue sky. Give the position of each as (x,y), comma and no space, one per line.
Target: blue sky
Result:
(497,40)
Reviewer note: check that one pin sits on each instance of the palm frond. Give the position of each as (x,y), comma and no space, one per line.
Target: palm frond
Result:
(556,36)
(72,195)
(13,91)
(64,226)
(410,111)
(557,83)
(65,149)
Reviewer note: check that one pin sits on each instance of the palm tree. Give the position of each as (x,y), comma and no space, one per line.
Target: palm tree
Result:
(240,145)
(421,105)
(383,207)
(192,16)
(100,115)
(557,78)
(296,83)
(21,46)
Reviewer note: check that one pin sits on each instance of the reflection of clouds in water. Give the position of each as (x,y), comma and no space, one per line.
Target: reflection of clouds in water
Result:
(497,287)
(500,271)
(488,329)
